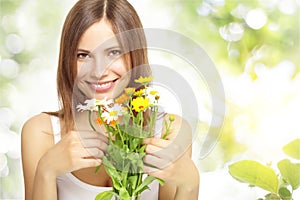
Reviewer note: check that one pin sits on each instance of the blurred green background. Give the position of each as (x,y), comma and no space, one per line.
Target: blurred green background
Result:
(255,46)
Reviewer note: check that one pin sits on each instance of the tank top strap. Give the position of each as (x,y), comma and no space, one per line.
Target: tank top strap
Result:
(55,128)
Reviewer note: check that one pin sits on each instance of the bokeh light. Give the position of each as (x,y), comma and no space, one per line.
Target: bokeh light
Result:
(254,44)
(256,18)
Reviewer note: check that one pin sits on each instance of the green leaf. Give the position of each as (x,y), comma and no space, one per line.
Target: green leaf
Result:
(254,173)
(272,196)
(135,131)
(106,195)
(145,183)
(116,183)
(292,149)
(132,180)
(142,149)
(290,172)
(284,193)
(97,169)
(160,181)
(124,194)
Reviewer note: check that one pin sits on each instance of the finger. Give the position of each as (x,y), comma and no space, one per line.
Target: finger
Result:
(160,153)
(151,149)
(157,142)
(90,162)
(171,152)
(151,171)
(80,152)
(92,135)
(97,143)
(95,152)
(156,162)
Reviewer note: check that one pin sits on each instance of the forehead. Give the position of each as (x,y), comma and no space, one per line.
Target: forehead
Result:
(97,34)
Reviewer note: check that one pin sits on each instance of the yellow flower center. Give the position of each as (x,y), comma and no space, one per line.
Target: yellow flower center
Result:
(153,92)
(113,113)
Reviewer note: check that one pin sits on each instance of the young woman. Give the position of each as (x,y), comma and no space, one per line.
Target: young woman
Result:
(59,150)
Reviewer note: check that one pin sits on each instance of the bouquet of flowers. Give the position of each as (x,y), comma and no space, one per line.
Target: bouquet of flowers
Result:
(127,120)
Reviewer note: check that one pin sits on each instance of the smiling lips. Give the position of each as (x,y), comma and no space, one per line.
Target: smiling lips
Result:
(102,87)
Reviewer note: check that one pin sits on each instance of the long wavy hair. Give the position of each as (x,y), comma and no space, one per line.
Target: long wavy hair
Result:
(122,17)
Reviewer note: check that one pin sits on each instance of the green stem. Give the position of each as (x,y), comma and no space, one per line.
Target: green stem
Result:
(152,121)
(139,179)
(129,105)
(142,121)
(167,129)
(90,120)
(120,133)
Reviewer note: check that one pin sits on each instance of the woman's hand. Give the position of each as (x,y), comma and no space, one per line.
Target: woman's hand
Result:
(42,161)
(170,160)
(74,151)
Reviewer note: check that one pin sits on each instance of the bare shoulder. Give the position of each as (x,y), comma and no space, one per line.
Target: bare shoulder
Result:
(37,131)
(38,123)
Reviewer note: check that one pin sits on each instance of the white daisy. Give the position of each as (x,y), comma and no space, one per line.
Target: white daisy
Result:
(112,113)
(153,95)
(90,104)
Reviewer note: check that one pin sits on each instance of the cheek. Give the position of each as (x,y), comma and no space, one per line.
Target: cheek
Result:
(82,69)
(79,68)
(119,67)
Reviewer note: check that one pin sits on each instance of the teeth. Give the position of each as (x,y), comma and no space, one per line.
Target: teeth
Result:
(102,85)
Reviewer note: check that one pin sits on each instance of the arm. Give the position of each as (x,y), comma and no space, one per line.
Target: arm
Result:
(43,161)
(181,180)
(171,161)
(35,142)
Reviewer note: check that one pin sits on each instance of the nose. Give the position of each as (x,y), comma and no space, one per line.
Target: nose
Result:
(99,68)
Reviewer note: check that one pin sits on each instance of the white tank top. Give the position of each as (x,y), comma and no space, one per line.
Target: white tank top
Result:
(70,187)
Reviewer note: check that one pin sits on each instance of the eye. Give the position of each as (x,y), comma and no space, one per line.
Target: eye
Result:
(82,56)
(114,52)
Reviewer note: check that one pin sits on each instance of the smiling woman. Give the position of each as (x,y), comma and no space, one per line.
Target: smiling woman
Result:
(99,69)
(97,57)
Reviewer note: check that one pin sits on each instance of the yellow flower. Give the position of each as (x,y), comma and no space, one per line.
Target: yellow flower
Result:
(144,79)
(140,103)
(122,99)
(171,118)
(153,92)
(129,91)
(139,92)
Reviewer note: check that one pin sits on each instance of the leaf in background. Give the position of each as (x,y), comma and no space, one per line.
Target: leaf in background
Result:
(256,174)
(290,172)
(272,196)
(284,193)
(293,149)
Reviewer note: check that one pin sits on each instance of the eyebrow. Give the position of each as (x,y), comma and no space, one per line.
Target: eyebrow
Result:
(106,49)
(83,50)
(113,47)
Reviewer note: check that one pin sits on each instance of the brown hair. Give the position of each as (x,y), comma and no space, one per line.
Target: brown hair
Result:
(122,17)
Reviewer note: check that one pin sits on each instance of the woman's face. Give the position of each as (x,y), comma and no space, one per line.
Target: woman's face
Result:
(100,65)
